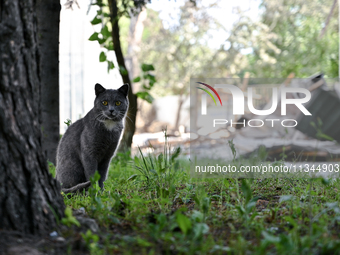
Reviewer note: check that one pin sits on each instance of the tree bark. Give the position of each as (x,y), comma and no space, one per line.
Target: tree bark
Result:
(30,198)
(135,38)
(130,123)
(181,100)
(48,43)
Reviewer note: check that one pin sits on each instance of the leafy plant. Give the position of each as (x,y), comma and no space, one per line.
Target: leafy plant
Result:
(319,132)
(91,241)
(104,38)
(158,172)
(202,201)
(51,168)
(246,204)
(209,216)
(148,80)
(69,219)
(95,200)
(232,148)
(68,122)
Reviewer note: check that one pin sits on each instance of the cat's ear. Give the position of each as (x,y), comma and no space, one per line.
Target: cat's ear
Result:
(99,89)
(124,89)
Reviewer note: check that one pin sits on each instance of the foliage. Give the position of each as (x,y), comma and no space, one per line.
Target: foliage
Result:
(202,216)
(91,241)
(104,38)
(180,51)
(68,122)
(319,133)
(285,38)
(297,45)
(150,204)
(158,172)
(147,80)
(51,168)
(69,219)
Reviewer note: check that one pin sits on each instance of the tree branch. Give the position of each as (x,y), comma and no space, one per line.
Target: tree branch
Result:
(323,31)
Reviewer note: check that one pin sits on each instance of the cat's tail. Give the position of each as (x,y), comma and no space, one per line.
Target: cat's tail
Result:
(79,187)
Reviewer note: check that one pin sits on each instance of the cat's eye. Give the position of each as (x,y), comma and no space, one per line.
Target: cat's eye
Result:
(104,103)
(118,103)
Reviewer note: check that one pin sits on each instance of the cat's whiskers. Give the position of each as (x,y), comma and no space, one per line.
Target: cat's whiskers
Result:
(100,117)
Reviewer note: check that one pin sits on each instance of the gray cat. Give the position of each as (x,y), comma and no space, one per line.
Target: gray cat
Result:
(90,143)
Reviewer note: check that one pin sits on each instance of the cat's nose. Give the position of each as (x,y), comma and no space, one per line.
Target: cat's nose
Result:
(111,111)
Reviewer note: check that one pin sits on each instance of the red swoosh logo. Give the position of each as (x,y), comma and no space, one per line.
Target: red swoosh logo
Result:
(213,90)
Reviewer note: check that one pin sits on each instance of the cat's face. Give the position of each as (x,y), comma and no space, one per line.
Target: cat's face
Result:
(111,104)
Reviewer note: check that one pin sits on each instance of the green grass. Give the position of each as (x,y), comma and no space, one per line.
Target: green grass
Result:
(151,205)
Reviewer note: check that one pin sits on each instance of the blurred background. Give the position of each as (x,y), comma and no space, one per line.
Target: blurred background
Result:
(165,43)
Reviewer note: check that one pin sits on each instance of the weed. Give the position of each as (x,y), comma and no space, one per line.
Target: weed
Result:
(51,168)
(158,171)
(152,206)
(91,241)
(69,220)
(68,122)
(319,133)
(232,148)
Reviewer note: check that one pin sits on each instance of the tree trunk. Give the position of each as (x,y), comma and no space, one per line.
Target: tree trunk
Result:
(130,123)
(179,109)
(30,198)
(135,38)
(48,43)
